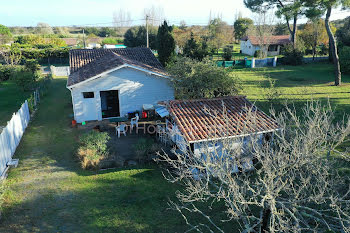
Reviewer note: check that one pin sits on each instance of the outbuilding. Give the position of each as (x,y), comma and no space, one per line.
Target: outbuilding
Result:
(271,45)
(107,83)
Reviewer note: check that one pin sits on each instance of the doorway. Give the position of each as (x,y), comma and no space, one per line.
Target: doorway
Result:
(110,104)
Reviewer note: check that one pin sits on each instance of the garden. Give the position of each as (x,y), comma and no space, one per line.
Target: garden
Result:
(50,191)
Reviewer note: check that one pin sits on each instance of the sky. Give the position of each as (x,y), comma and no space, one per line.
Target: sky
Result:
(100,12)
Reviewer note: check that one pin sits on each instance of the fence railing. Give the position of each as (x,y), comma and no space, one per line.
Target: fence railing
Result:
(11,135)
(60,70)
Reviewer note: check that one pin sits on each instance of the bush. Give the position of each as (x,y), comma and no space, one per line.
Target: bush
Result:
(7,71)
(32,65)
(344,59)
(227,53)
(193,79)
(93,148)
(26,80)
(292,56)
(259,54)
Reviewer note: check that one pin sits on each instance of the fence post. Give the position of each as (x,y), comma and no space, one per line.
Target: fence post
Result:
(275,61)
(253,63)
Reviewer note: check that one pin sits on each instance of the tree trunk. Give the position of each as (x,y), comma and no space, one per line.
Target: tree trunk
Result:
(265,220)
(333,49)
(293,32)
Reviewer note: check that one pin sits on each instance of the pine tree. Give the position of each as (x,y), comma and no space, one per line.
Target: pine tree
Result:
(166,43)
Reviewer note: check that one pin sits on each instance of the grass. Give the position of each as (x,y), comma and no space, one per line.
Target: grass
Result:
(49,192)
(11,99)
(297,85)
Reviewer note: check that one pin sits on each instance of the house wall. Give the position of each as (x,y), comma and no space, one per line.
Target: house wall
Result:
(248,48)
(135,89)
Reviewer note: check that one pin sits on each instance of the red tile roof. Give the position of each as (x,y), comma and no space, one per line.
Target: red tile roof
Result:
(87,63)
(273,40)
(71,41)
(204,119)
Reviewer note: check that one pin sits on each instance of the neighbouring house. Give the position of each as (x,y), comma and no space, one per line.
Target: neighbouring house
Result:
(250,44)
(113,46)
(72,42)
(196,122)
(106,83)
(93,43)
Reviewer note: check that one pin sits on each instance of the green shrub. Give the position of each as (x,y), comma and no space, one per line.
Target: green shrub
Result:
(32,65)
(227,55)
(292,56)
(93,149)
(344,59)
(259,54)
(7,71)
(26,80)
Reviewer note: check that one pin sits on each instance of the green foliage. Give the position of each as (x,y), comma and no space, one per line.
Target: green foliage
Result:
(25,79)
(227,55)
(259,54)
(136,37)
(101,32)
(32,65)
(40,40)
(343,33)
(281,29)
(166,43)
(292,56)
(193,79)
(241,26)
(93,148)
(344,59)
(7,71)
(5,34)
(109,41)
(194,50)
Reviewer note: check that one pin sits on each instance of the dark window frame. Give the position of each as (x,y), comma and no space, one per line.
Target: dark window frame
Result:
(89,95)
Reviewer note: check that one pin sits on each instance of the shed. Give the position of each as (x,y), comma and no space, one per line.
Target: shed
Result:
(250,44)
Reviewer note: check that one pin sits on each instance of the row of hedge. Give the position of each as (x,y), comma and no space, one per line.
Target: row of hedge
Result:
(344,59)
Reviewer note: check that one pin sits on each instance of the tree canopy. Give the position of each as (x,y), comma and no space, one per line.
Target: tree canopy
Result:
(194,79)
(166,43)
(195,50)
(241,27)
(136,37)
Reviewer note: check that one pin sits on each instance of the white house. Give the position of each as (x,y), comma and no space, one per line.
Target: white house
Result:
(107,83)
(204,124)
(250,44)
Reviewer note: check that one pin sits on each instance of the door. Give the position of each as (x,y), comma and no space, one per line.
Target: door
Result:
(110,103)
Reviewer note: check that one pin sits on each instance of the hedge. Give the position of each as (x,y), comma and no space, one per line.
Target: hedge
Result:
(344,59)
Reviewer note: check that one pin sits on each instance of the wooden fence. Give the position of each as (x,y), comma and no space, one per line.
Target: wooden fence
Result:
(11,135)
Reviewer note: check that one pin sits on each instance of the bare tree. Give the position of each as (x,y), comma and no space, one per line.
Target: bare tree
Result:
(263,30)
(44,28)
(121,19)
(294,185)
(155,15)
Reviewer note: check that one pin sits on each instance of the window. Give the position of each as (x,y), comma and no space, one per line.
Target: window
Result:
(273,48)
(88,95)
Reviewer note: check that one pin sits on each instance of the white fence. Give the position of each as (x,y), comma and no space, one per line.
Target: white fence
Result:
(60,70)
(11,135)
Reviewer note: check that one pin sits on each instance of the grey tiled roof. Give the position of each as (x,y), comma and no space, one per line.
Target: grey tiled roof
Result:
(87,63)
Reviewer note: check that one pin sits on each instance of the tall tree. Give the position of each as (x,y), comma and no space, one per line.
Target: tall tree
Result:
(241,27)
(194,50)
(289,10)
(136,37)
(166,43)
(314,34)
(5,34)
(320,7)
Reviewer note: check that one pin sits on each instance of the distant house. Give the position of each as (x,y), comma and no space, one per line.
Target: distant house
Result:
(114,46)
(197,123)
(93,43)
(250,44)
(106,83)
(71,42)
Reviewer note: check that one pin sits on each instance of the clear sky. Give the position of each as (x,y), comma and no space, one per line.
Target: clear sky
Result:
(82,12)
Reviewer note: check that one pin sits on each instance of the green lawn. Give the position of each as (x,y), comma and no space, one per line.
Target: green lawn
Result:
(11,99)
(49,192)
(297,84)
